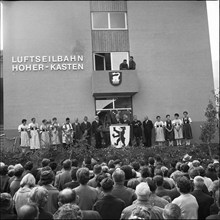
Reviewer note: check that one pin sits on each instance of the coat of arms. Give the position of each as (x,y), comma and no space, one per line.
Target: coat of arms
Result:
(119,135)
(115,78)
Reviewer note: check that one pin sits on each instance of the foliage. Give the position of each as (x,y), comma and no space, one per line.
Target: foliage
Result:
(208,129)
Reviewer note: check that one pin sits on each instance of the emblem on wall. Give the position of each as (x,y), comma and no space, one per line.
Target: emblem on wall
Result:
(115,78)
(119,135)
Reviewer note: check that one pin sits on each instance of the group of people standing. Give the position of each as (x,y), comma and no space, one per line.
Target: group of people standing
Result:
(176,129)
(50,132)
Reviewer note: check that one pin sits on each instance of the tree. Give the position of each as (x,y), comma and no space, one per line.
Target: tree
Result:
(208,129)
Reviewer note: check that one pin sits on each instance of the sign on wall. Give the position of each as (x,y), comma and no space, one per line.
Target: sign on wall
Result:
(44,63)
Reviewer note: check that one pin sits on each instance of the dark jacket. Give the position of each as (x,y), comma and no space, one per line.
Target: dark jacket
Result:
(109,207)
(204,202)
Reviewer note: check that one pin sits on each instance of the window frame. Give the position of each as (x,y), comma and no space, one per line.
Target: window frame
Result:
(111,53)
(109,21)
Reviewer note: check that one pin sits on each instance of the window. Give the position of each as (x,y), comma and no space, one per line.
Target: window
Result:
(109,61)
(109,20)
(107,108)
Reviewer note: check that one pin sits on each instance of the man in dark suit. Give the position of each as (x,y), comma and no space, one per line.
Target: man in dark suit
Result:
(86,129)
(96,131)
(137,130)
(204,200)
(68,196)
(109,207)
(148,126)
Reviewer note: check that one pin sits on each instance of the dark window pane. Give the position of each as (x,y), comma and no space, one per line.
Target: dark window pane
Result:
(123,102)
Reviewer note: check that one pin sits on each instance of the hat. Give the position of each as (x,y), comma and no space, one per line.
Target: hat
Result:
(107,184)
(2,164)
(187,157)
(18,167)
(142,191)
(47,175)
(195,163)
(11,167)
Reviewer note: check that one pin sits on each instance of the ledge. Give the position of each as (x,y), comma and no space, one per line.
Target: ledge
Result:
(101,85)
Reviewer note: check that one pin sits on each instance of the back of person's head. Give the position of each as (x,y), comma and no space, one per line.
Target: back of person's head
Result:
(67,164)
(66,196)
(118,176)
(136,166)
(173,163)
(193,173)
(176,174)
(172,211)
(53,166)
(45,162)
(158,172)
(152,185)
(158,159)
(18,170)
(69,211)
(128,171)
(145,172)
(73,173)
(198,182)
(97,169)
(111,164)
(151,160)
(39,196)
(29,165)
(107,184)
(82,175)
(75,163)
(201,171)
(184,185)
(99,178)
(29,211)
(88,160)
(28,180)
(3,170)
(140,212)
(158,180)
(132,183)
(46,177)
(143,191)
(184,168)
(6,203)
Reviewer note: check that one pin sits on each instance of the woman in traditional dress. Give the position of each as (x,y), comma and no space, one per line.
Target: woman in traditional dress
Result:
(34,135)
(178,132)
(45,138)
(169,135)
(54,131)
(187,131)
(23,130)
(159,130)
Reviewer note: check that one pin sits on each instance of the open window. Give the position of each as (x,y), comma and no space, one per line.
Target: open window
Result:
(109,61)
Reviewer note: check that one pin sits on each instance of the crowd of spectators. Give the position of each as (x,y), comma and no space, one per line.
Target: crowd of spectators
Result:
(110,190)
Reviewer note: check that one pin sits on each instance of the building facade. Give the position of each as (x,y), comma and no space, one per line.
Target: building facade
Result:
(58,58)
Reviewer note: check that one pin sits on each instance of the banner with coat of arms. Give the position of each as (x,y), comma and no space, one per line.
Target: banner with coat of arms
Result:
(119,135)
